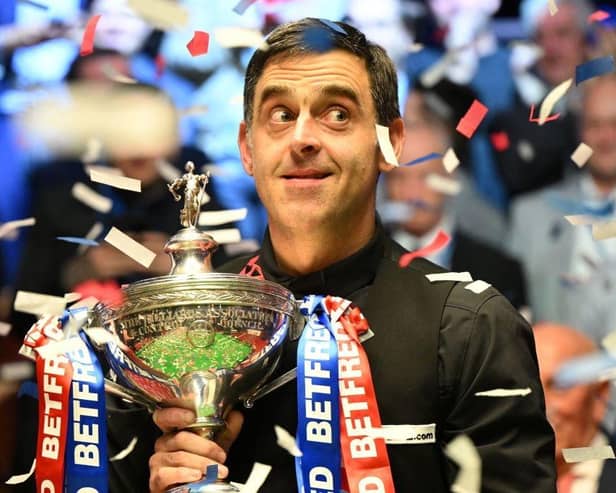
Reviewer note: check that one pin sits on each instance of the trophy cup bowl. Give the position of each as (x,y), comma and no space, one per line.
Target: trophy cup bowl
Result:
(195,339)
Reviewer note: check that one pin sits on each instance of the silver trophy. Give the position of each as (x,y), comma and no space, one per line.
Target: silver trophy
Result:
(195,338)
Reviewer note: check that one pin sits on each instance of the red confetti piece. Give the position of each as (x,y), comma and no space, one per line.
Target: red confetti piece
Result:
(500,141)
(87,43)
(199,44)
(439,242)
(536,119)
(598,16)
(160,64)
(469,122)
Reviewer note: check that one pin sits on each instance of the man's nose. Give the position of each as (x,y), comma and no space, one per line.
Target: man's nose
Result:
(305,137)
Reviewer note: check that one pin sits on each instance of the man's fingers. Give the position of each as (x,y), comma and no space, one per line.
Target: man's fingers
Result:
(235,420)
(184,460)
(172,418)
(162,478)
(192,443)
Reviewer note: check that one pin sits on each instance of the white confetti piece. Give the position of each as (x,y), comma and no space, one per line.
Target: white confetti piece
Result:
(552,98)
(117,181)
(463,452)
(64,346)
(443,184)
(450,276)
(382,135)
(16,371)
(287,441)
(478,286)
(88,302)
(130,247)
(5,329)
(166,170)
(22,478)
(240,37)
(580,219)
(9,227)
(552,7)
(88,168)
(93,152)
(215,170)
(609,343)
(581,154)
(39,304)
(415,47)
(450,160)
(504,392)
(257,477)
(405,434)
(92,234)
(603,230)
(71,297)
(215,218)
(222,236)
(125,452)
(100,336)
(435,72)
(581,454)
(163,14)
(92,199)
(241,247)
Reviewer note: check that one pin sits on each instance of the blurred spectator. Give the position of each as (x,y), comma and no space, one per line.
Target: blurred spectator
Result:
(414,209)
(575,413)
(572,277)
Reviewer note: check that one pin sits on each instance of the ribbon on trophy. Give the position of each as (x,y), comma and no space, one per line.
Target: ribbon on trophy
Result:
(71,454)
(333,366)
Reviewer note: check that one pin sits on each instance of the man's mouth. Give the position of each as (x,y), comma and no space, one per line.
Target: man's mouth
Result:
(306,174)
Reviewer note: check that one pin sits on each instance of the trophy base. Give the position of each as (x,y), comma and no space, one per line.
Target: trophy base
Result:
(199,487)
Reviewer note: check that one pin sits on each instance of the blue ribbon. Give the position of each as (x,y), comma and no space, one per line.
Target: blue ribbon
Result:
(86,447)
(318,429)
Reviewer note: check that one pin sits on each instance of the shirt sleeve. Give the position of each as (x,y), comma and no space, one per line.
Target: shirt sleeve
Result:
(486,345)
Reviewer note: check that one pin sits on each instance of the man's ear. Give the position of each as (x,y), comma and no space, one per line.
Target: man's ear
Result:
(243,142)
(396,136)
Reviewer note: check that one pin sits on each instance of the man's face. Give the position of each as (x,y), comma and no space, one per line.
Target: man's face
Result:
(408,184)
(312,146)
(563,44)
(574,413)
(599,128)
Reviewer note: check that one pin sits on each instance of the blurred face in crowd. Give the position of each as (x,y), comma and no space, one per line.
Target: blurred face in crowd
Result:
(102,68)
(562,40)
(574,413)
(408,184)
(119,28)
(599,129)
(311,145)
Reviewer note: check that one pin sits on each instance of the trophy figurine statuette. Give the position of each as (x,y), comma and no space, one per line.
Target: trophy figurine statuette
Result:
(195,338)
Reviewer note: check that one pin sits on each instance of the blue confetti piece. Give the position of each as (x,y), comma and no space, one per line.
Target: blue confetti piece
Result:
(427,157)
(241,7)
(28,388)
(570,207)
(594,68)
(211,473)
(318,39)
(584,369)
(80,241)
(333,26)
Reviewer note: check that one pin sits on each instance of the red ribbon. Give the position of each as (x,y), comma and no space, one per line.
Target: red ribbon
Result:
(440,241)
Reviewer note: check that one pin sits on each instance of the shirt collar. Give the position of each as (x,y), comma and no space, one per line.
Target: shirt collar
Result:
(339,279)
(590,469)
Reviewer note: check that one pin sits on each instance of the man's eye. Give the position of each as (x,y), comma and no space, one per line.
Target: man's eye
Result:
(337,115)
(281,115)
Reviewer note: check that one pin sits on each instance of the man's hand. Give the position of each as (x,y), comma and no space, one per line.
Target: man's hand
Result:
(183,456)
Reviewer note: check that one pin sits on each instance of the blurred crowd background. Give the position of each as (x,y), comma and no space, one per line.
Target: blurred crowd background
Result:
(142,105)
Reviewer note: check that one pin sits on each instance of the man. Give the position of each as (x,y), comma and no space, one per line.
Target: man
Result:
(571,275)
(309,140)
(419,202)
(575,413)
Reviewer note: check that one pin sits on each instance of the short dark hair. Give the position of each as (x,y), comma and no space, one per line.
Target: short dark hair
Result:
(293,39)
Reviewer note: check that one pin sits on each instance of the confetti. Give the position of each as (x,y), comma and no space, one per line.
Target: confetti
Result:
(450,160)
(471,120)
(287,441)
(584,369)
(581,454)
(39,304)
(88,303)
(525,149)
(500,141)
(94,149)
(551,99)
(5,328)
(404,434)
(463,452)
(440,241)
(239,37)
(113,180)
(38,5)
(87,43)
(504,392)
(532,118)
(598,16)
(167,170)
(242,247)
(427,157)
(478,286)
(22,478)
(333,26)
(242,5)
(604,230)
(609,343)
(450,276)
(552,7)
(11,226)
(580,219)
(115,76)
(215,218)
(124,452)
(16,371)
(199,44)
(318,39)
(130,247)
(382,135)
(159,63)
(443,184)
(162,14)
(594,68)
(581,155)
(222,236)
(78,240)
(52,349)
(435,72)
(92,199)
(256,478)
(72,297)
(95,231)
(100,336)
(416,47)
